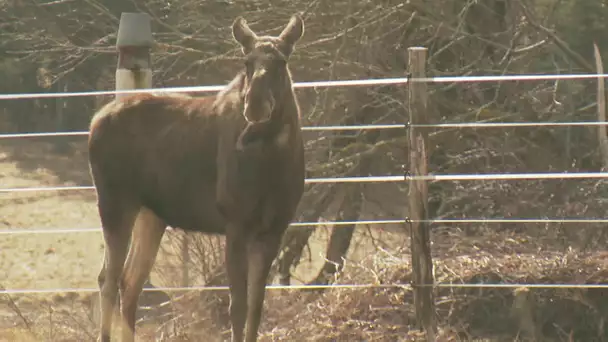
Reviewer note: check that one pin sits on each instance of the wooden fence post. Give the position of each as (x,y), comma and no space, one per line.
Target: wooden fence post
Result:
(601,108)
(422,264)
(134,42)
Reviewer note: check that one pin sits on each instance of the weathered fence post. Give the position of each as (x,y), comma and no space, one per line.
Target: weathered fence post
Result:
(134,42)
(601,108)
(422,264)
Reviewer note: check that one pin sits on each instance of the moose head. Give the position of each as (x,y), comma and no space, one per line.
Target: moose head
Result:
(267,78)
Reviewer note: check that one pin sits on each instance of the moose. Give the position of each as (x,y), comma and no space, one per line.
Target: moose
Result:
(230,163)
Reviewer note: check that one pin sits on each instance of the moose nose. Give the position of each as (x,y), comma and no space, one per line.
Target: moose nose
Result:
(258,111)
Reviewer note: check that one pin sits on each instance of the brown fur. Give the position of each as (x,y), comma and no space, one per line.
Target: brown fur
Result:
(229,164)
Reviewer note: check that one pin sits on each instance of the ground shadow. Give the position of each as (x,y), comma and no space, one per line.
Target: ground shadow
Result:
(64,158)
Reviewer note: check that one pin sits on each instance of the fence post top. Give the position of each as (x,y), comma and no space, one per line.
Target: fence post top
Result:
(134,30)
(417,48)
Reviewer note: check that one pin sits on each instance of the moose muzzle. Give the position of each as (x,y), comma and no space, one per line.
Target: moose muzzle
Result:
(257,111)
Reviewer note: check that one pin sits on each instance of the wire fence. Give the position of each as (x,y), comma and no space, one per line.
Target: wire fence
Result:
(382,179)
(361,127)
(315,84)
(319,84)
(317,287)
(369,179)
(336,224)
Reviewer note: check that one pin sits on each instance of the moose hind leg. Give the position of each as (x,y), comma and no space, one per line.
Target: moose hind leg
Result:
(117,221)
(145,242)
(236,264)
(262,249)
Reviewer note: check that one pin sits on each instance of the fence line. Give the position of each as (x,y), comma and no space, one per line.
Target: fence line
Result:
(315,84)
(498,78)
(363,127)
(201,288)
(382,179)
(19,231)
(308,128)
(510,176)
(370,179)
(511,124)
(353,127)
(294,224)
(211,88)
(520,285)
(43,134)
(516,220)
(49,188)
(317,287)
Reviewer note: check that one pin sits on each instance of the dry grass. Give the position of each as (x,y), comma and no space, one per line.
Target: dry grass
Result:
(465,314)
(46,260)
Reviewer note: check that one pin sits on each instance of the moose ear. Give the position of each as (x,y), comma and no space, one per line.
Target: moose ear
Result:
(243,34)
(292,33)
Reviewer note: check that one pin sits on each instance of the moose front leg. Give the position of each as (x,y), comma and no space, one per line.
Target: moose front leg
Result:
(236,264)
(262,249)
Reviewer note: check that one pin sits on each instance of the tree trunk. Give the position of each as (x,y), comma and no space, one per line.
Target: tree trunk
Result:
(297,238)
(341,236)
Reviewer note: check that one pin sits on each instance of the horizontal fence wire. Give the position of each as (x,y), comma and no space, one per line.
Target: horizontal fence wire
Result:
(512,220)
(320,84)
(200,288)
(383,179)
(370,179)
(510,176)
(361,127)
(18,231)
(23,231)
(294,224)
(43,134)
(48,188)
(521,285)
(509,124)
(306,129)
(317,287)
(195,89)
